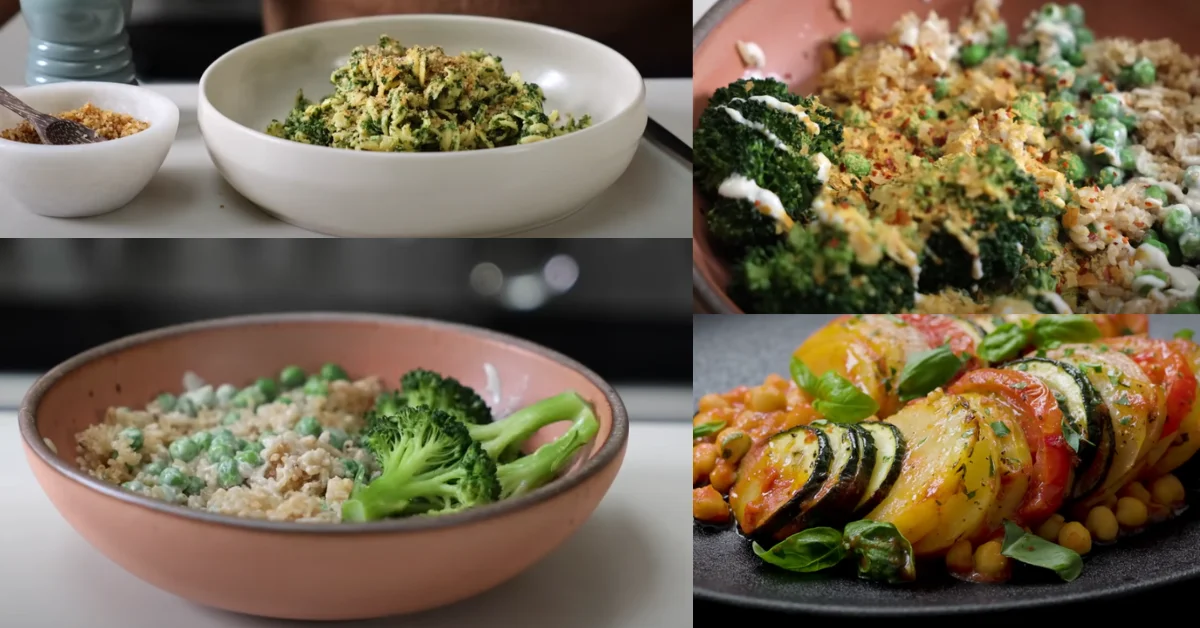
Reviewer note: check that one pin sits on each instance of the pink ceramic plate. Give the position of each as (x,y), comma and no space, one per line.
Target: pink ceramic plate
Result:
(302,570)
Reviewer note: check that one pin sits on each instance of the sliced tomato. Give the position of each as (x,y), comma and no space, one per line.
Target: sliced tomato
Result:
(1041,421)
(1114,325)
(1167,366)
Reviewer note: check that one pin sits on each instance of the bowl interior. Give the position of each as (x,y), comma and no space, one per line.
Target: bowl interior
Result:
(59,97)
(792,35)
(257,82)
(238,351)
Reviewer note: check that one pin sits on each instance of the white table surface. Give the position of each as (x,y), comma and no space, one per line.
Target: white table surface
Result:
(699,7)
(628,566)
(188,198)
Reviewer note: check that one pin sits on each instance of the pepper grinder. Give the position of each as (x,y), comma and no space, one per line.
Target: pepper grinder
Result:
(78,40)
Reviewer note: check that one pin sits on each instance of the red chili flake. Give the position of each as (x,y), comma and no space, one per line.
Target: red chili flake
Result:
(891,164)
(1139,224)
(888,114)
(1041,194)
(1005,74)
(940,141)
(834,243)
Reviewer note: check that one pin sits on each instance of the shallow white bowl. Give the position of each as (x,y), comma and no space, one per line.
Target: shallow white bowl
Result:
(471,193)
(86,179)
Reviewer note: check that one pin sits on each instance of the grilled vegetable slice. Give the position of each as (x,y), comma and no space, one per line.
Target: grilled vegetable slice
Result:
(777,478)
(896,341)
(1085,427)
(963,336)
(944,490)
(889,460)
(836,348)
(833,504)
(1012,466)
(1167,366)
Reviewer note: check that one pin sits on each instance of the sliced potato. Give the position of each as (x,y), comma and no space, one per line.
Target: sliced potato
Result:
(945,489)
(896,341)
(1012,466)
(836,348)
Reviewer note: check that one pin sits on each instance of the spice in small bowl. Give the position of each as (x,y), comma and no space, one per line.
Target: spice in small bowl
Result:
(107,124)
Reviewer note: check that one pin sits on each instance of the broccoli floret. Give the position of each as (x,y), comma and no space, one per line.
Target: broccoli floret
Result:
(535,470)
(430,465)
(816,271)
(502,439)
(301,125)
(745,131)
(421,387)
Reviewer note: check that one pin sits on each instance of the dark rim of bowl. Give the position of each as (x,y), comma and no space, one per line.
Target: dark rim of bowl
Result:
(633,104)
(607,453)
(709,294)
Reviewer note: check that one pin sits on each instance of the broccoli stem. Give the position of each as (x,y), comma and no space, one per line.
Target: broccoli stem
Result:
(502,439)
(532,471)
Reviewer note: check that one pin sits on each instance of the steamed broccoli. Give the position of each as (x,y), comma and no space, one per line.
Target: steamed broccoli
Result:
(502,439)
(529,472)
(816,271)
(421,387)
(430,465)
(760,131)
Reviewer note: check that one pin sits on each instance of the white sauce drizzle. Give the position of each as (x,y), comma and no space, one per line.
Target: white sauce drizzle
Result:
(976,269)
(1183,281)
(740,187)
(1055,301)
(1107,151)
(1149,282)
(752,55)
(779,105)
(823,165)
(737,117)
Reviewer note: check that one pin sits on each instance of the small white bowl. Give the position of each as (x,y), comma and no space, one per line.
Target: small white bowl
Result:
(86,179)
(470,193)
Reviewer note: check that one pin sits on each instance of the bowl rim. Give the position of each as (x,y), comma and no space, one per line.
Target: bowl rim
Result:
(609,452)
(89,87)
(259,135)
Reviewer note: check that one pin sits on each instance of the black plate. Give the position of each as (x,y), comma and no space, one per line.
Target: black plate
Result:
(728,351)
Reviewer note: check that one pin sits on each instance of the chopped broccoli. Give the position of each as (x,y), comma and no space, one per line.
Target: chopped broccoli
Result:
(502,439)
(745,132)
(816,271)
(421,387)
(532,471)
(429,465)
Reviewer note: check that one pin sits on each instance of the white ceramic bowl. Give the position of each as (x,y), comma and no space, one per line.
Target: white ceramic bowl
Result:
(470,193)
(87,179)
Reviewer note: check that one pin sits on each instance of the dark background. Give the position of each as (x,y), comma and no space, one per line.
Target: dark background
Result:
(731,350)
(626,315)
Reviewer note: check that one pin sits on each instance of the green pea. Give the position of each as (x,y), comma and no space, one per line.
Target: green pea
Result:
(972,55)
(1152,239)
(1110,176)
(1056,71)
(1128,159)
(847,44)
(1079,132)
(220,451)
(1073,13)
(1072,166)
(165,401)
(134,485)
(154,468)
(134,436)
(941,88)
(172,477)
(1075,58)
(1189,244)
(202,439)
(228,474)
(1156,193)
(231,417)
(203,397)
(225,394)
(1142,73)
(1111,156)
(185,405)
(1106,106)
(1176,220)
(350,468)
(253,445)
(241,444)
(248,397)
(1157,274)
(292,377)
(308,426)
(267,387)
(184,449)
(1191,177)
(316,387)
(1051,12)
(249,457)
(332,372)
(1129,120)
(1111,129)
(998,36)
(1029,54)
(194,485)
(1084,36)
(337,437)
(1060,113)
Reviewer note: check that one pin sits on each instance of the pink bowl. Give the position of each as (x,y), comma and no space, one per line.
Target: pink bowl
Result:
(301,570)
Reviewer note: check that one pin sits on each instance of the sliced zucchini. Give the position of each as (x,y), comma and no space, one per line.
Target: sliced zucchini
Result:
(1083,416)
(834,503)
(776,480)
(889,459)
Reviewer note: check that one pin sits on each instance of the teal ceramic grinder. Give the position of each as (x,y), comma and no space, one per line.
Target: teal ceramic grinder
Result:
(78,40)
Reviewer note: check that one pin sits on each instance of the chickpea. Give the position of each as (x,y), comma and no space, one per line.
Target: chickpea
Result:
(711,402)
(961,557)
(723,476)
(775,381)
(734,444)
(1051,527)
(702,418)
(1110,502)
(704,458)
(707,505)
(1102,524)
(1136,490)
(1167,490)
(988,559)
(1131,512)
(766,399)
(1074,536)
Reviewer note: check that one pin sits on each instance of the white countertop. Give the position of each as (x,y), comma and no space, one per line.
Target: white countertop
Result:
(627,567)
(698,9)
(188,198)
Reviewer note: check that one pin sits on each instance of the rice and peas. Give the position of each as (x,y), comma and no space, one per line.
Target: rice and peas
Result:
(280,449)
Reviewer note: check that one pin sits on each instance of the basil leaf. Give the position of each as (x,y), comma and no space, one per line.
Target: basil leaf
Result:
(1185,334)
(1064,328)
(811,550)
(883,553)
(706,429)
(803,377)
(1032,549)
(928,370)
(1004,343)
(841,401)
